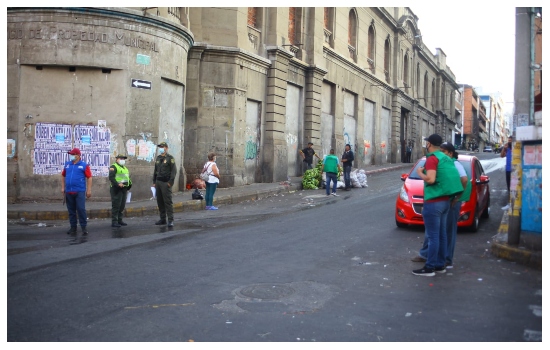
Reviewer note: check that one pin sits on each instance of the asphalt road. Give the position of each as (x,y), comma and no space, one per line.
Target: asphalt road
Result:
(295,268)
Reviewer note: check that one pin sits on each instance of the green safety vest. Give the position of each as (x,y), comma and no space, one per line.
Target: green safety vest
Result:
(122,174)
(331,164)
(447,181)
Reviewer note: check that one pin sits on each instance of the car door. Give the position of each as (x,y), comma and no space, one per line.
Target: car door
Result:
(480,188)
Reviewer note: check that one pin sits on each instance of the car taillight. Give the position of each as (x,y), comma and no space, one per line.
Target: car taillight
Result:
(403,195)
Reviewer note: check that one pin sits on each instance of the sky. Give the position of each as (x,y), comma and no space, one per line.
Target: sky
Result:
(478,39)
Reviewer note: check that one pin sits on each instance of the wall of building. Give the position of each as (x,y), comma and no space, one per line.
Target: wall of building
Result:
(254,94)
(73,78)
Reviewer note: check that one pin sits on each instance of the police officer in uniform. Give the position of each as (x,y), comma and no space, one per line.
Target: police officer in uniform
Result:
(163,180)
(119,176)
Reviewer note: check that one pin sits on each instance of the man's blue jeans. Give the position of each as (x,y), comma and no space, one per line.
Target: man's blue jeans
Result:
(76,204)
(452,220)
(334,178)
(435,223)
(347,176)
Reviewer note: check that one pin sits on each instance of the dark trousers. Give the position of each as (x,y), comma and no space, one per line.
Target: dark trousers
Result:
(76,205)
(118,202)
(508,174)
(347,176)
(306,166)
(164,200)
(408,157)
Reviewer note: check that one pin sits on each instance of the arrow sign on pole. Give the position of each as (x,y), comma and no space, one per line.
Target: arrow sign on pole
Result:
(141,84)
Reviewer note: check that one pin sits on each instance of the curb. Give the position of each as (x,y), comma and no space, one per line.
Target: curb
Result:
(188,205)
(501,249)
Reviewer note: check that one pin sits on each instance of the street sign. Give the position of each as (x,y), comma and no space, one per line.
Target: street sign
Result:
(143,59)
(141,84)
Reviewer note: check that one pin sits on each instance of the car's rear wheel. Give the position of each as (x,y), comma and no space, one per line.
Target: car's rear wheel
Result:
(485,213)
(475,224)
(400,224)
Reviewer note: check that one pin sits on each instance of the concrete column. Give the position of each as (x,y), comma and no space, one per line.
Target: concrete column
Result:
(275,146)
(521,106)
(312,110)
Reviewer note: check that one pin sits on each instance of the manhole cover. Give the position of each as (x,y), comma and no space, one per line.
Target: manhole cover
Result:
(266,291)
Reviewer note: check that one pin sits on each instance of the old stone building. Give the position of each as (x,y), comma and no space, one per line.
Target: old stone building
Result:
(253,85)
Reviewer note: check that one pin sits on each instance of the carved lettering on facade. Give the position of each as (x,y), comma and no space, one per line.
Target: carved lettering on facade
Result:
(121,38)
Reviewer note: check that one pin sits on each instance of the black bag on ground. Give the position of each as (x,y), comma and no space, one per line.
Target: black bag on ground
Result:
(197,194)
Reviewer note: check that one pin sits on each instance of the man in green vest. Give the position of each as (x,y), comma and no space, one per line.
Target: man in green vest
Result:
(441,184)
(119,176)
(331,167)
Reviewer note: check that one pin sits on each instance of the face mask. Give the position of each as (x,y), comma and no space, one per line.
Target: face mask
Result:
(427,148)
(72,158)
(122,162)
(161,150)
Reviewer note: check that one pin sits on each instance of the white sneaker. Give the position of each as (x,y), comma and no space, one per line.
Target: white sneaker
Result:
(506,207)
(334,194)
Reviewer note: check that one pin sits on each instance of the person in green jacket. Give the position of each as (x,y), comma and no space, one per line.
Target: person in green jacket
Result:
(452,218)
(119,176)
(441,184)
(331,167)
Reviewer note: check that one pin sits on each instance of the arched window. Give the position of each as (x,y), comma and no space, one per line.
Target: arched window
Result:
(329,25)
(292,25)
(418,80)
(426,85)
(352,34)
(387,50)
(406,70)
(371,54)
(433,94)
(253,17)
(443,97)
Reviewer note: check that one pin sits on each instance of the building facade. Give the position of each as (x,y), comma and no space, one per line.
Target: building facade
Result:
(253,85)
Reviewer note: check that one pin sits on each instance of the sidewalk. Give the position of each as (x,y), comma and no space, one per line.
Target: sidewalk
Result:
(182,200)
(500,248)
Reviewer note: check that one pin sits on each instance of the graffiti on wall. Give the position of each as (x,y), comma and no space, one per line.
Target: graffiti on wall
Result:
(366,147)
(131,148)
(11,148)
(383,146)
(145,150)
(251,149)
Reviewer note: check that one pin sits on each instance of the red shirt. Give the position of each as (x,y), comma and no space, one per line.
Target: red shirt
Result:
(431,164)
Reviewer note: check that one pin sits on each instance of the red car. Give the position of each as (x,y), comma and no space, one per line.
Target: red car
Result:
(410,200)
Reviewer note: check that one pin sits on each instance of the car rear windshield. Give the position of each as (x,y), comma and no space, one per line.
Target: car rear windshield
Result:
(465,163)
(413,174)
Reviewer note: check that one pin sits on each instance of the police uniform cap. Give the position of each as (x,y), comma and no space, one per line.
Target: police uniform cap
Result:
(121,156)
(162,144)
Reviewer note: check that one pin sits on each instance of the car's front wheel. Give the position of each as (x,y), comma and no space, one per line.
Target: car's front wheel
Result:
(485,213)
(475,223)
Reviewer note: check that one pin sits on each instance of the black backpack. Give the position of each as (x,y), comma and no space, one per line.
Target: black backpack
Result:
(197,194)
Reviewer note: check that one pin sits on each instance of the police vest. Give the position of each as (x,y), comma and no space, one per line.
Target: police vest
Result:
(122,175)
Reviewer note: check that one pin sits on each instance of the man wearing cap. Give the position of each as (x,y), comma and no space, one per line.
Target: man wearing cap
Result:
(307,154)
(454,210)
(76,186)
(441,183)
(119,176)
(163,180)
